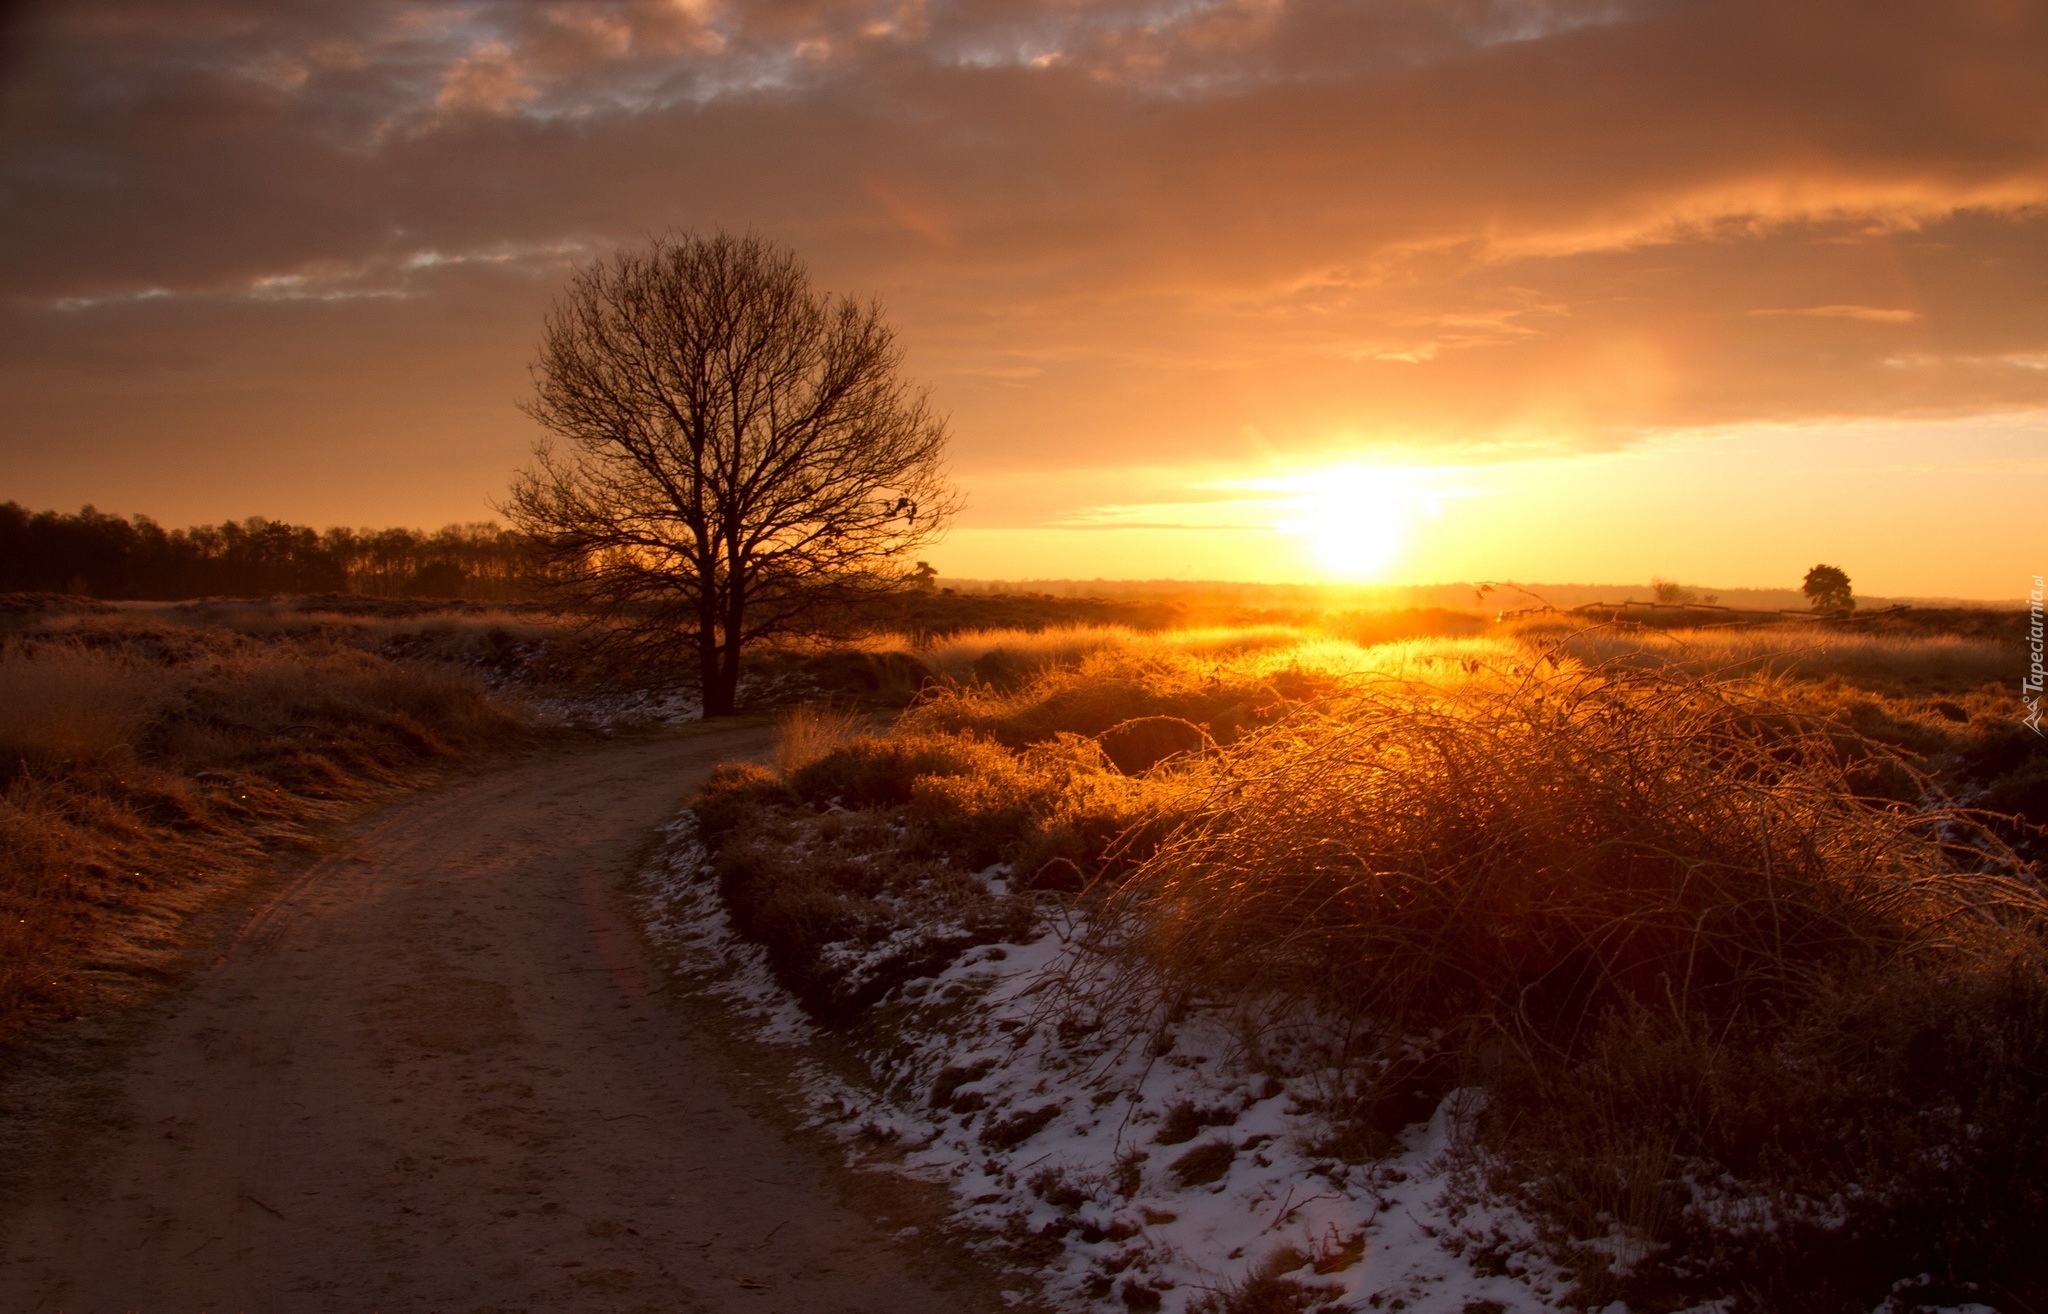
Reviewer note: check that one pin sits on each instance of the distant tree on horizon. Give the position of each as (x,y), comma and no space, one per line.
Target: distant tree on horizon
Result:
(741,461)
(1670,590)
(1827,589)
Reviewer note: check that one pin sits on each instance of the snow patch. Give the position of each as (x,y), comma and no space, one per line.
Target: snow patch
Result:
(1128,1174)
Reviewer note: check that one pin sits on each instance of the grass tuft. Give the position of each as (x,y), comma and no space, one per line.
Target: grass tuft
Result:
(805,733)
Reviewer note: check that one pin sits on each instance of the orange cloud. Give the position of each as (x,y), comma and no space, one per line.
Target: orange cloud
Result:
(1110,232)
(488,80)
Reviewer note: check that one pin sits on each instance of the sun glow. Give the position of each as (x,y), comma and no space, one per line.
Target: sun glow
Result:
(1353,520)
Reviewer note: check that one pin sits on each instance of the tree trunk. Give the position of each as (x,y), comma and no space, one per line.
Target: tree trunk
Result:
(715,693)
(728,698)
(721,693)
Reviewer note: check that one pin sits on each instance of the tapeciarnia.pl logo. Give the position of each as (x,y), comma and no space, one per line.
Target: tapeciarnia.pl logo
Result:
(2030,687)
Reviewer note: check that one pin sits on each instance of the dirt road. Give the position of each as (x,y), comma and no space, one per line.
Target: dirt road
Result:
(435,1074)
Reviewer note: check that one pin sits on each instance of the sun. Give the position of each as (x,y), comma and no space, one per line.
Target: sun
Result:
(1350,523)
(1354,521)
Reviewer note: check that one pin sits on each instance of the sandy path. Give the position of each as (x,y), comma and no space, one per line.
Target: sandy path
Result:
(432,1075)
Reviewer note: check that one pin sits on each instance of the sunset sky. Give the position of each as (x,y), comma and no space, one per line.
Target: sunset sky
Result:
(1398,290)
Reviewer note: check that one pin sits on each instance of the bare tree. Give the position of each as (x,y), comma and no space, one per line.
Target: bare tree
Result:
(740,458)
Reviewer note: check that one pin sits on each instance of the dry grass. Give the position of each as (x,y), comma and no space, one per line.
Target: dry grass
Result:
(1557,836)
(805,733)
(1226,689)
(1639,905)
(60,706)
(1933,662)
(1007,658)
(1892,1122)
(1758,1005)
(1007,654)
(145,769)
(499,643)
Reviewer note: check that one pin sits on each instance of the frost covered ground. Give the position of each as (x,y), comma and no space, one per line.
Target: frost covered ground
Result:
(1150,1174)
(653,709)
(619,709)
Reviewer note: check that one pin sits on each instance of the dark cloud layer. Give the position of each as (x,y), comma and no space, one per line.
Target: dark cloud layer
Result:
(1115,232)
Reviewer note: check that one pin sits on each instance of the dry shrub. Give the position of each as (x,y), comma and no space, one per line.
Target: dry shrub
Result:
(1661,918)
(975,776)
(1226,688)
(883,771)
(1272,1293)
(1537,843)
(2004,767)
(877,670)
(276,708)
(973,801)
(1057,812)
(1284,1282)
(845,911)
(805,734)
(737,797)
(498,644)
(1396,624)
(1104,690)
(855,871)
(1143,742)
(1763,1018)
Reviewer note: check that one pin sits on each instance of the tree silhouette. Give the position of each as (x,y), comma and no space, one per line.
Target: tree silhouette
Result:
(742,459)
(1827,589)
(108,556)
(1670,590)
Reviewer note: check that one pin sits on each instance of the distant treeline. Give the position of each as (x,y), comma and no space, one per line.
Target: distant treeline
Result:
(106,556)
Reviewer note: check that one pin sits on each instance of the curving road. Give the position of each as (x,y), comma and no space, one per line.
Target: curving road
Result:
(436,1075)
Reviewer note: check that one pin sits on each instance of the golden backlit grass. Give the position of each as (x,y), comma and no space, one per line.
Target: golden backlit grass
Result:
(805,733)
(1806,652)
(1558,835)
(1759,1006)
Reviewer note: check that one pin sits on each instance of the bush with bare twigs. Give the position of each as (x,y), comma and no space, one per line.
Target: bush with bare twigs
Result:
(1555,836)
(1763,1014)
(1652,913)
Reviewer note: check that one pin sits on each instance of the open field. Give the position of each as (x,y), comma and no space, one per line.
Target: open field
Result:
(1715,956)
(1230,965)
